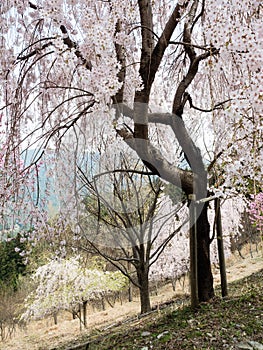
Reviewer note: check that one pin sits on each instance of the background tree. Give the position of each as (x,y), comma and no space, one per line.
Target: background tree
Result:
(12,263)
(123,222)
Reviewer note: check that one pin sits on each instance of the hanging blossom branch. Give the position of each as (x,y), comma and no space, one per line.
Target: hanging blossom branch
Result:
(229,145)
(66,40)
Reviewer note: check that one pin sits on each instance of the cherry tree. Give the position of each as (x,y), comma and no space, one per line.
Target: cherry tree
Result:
(65,66)
(66,285)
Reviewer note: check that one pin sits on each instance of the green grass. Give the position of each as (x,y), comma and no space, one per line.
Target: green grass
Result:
(217,325)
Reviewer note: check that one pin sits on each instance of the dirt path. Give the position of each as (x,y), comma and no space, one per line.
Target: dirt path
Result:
(42,335)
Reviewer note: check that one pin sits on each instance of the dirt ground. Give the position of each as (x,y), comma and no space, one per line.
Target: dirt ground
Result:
(42,335)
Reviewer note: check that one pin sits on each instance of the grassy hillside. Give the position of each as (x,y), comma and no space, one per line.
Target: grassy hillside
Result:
(222,324)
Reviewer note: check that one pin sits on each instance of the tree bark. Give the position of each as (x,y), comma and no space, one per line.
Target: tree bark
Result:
(199,189)
(143,279)
(205,277)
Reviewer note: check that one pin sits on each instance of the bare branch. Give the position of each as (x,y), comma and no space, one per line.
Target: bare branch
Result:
(155,256)
(134,171)
(114,261)
(190,44)
(216,106)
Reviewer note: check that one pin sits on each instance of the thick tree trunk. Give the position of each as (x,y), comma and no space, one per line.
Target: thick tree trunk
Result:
(143,280)
(205,277)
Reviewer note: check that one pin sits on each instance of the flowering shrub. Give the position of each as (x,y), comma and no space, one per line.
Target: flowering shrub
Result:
(65,284)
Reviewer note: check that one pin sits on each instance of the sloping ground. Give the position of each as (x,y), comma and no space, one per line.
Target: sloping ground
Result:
(233,323)
(170,328)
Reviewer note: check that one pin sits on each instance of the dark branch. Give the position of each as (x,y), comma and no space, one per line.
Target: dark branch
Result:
(199,15)
(186,81)
(155,256)
(33,6)
(72,45)
(120,53)
(193,45)
(134,171)
(34,52)
(163,42)
(217,106)
(67,41)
